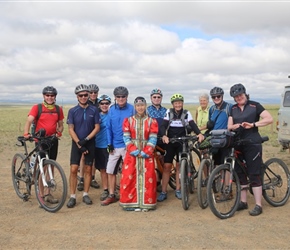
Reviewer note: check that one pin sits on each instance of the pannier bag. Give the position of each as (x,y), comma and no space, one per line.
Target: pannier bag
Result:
(221,138)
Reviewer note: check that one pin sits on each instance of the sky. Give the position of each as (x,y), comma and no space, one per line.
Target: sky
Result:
(185,47)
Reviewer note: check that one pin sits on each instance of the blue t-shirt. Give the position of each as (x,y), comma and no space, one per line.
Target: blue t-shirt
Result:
(116,116)
(83,119)
(101,140)
(220,116)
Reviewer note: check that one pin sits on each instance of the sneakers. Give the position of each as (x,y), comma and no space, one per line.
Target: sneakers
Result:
(242,206)
(71,203)
(95,184)
(256,211)
(87,200)
(104,195)
(49,198)
(110,199)
(80,186)
(178,194)
(162,196)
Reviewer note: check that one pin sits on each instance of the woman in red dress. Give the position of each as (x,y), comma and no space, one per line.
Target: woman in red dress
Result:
(138,181)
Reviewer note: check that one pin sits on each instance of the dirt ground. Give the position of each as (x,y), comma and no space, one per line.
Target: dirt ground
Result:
(25,226)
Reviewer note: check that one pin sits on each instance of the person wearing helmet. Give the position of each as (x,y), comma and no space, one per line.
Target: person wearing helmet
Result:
(83,124)
(101,143)
(245,118)
(176,123)
(47,116)
(138,182)
(116,146)
(93,95)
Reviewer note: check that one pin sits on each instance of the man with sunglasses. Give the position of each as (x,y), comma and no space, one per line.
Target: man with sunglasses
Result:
(48,119)
(116,145)
(83,124)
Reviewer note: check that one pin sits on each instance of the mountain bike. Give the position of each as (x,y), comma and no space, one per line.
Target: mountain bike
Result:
(188,171)
(224,199)
(47,175)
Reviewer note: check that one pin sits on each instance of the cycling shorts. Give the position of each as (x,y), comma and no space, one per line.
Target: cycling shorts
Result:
(76,154)
(172,150)
(101,158)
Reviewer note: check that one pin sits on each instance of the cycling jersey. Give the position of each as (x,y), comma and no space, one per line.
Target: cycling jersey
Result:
(158,114)
(101,140)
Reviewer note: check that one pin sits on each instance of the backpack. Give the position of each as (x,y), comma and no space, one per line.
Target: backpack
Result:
(39,106)
(182,118)
(223,107)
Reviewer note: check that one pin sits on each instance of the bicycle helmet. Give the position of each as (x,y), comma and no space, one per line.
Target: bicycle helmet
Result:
(104,97)
(216,91)
(81,88)
(156,91)
(176,97)
(237,89)
(139,100)
(49,90)
(93,88)
(121,91)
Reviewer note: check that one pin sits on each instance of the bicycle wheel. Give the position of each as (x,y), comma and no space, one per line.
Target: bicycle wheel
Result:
(21,180)
(223,201)
(202,179)
(53,196)
(276,182)
(184,183)
(191,177)
(196,159)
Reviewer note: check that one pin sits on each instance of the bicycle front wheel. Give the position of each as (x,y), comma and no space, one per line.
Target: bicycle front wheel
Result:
(223,191)
(184,183)
(202,179)
(276,182)
(20,178)
(52,193)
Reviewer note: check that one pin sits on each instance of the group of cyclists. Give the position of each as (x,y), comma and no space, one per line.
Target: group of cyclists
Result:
(103,132)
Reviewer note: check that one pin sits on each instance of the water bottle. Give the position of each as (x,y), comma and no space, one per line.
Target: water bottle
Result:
(32,163)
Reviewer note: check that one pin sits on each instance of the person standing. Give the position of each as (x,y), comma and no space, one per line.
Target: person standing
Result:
(138,182)
(201,116)
(93,96)
(116,146)
(101,143)
(175,126)
(83,124)
(245,119)
(50,118)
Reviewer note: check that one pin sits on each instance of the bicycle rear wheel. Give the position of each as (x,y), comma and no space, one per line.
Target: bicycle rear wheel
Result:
(52,197)
(202,179)
(20,178)
(276,182)
(184,183)
(223,191)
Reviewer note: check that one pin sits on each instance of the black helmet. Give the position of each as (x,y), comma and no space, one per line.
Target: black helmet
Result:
(81,88)
(49,90)
(216,91)
(237,89)
(121,91)
(139,99)
(93,88)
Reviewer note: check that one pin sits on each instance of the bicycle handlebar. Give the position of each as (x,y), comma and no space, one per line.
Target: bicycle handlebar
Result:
(186,138)
(34,138)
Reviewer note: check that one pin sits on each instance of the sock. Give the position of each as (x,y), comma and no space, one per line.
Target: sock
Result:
(84,194)
(73,196)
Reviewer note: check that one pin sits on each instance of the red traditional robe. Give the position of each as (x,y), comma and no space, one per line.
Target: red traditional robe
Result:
(138,181)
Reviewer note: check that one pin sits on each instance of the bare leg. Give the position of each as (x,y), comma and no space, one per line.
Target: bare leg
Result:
(112,183)
(73,178)
(104,178)
(258,195)
(165,176)
(87,178)
(244,193)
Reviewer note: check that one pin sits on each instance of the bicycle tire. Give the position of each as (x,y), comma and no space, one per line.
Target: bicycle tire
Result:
(191,177)
(21,181)
(57,187)
(223,203)
(202,179)
(184,184)
(196,160)
(276,182)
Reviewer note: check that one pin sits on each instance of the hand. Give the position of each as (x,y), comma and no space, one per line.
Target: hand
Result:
(165,139)
(200,137)
(135,152)
(27,135)
(110,148)
(144,155)
(84,150)
(58,134)
(82,142)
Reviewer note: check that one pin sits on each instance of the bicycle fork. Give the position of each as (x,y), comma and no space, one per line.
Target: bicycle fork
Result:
(49,171)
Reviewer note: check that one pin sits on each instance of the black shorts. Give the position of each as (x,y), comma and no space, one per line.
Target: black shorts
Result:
(101,158)
(52,150)
(172,149)
(219,155)
(76,154)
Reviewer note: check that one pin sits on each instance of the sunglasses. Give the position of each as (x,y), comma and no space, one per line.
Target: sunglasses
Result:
(120,96)
(104,103)
(216,97)
(50,95)
(83,95)
(93,92)
(156,97)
